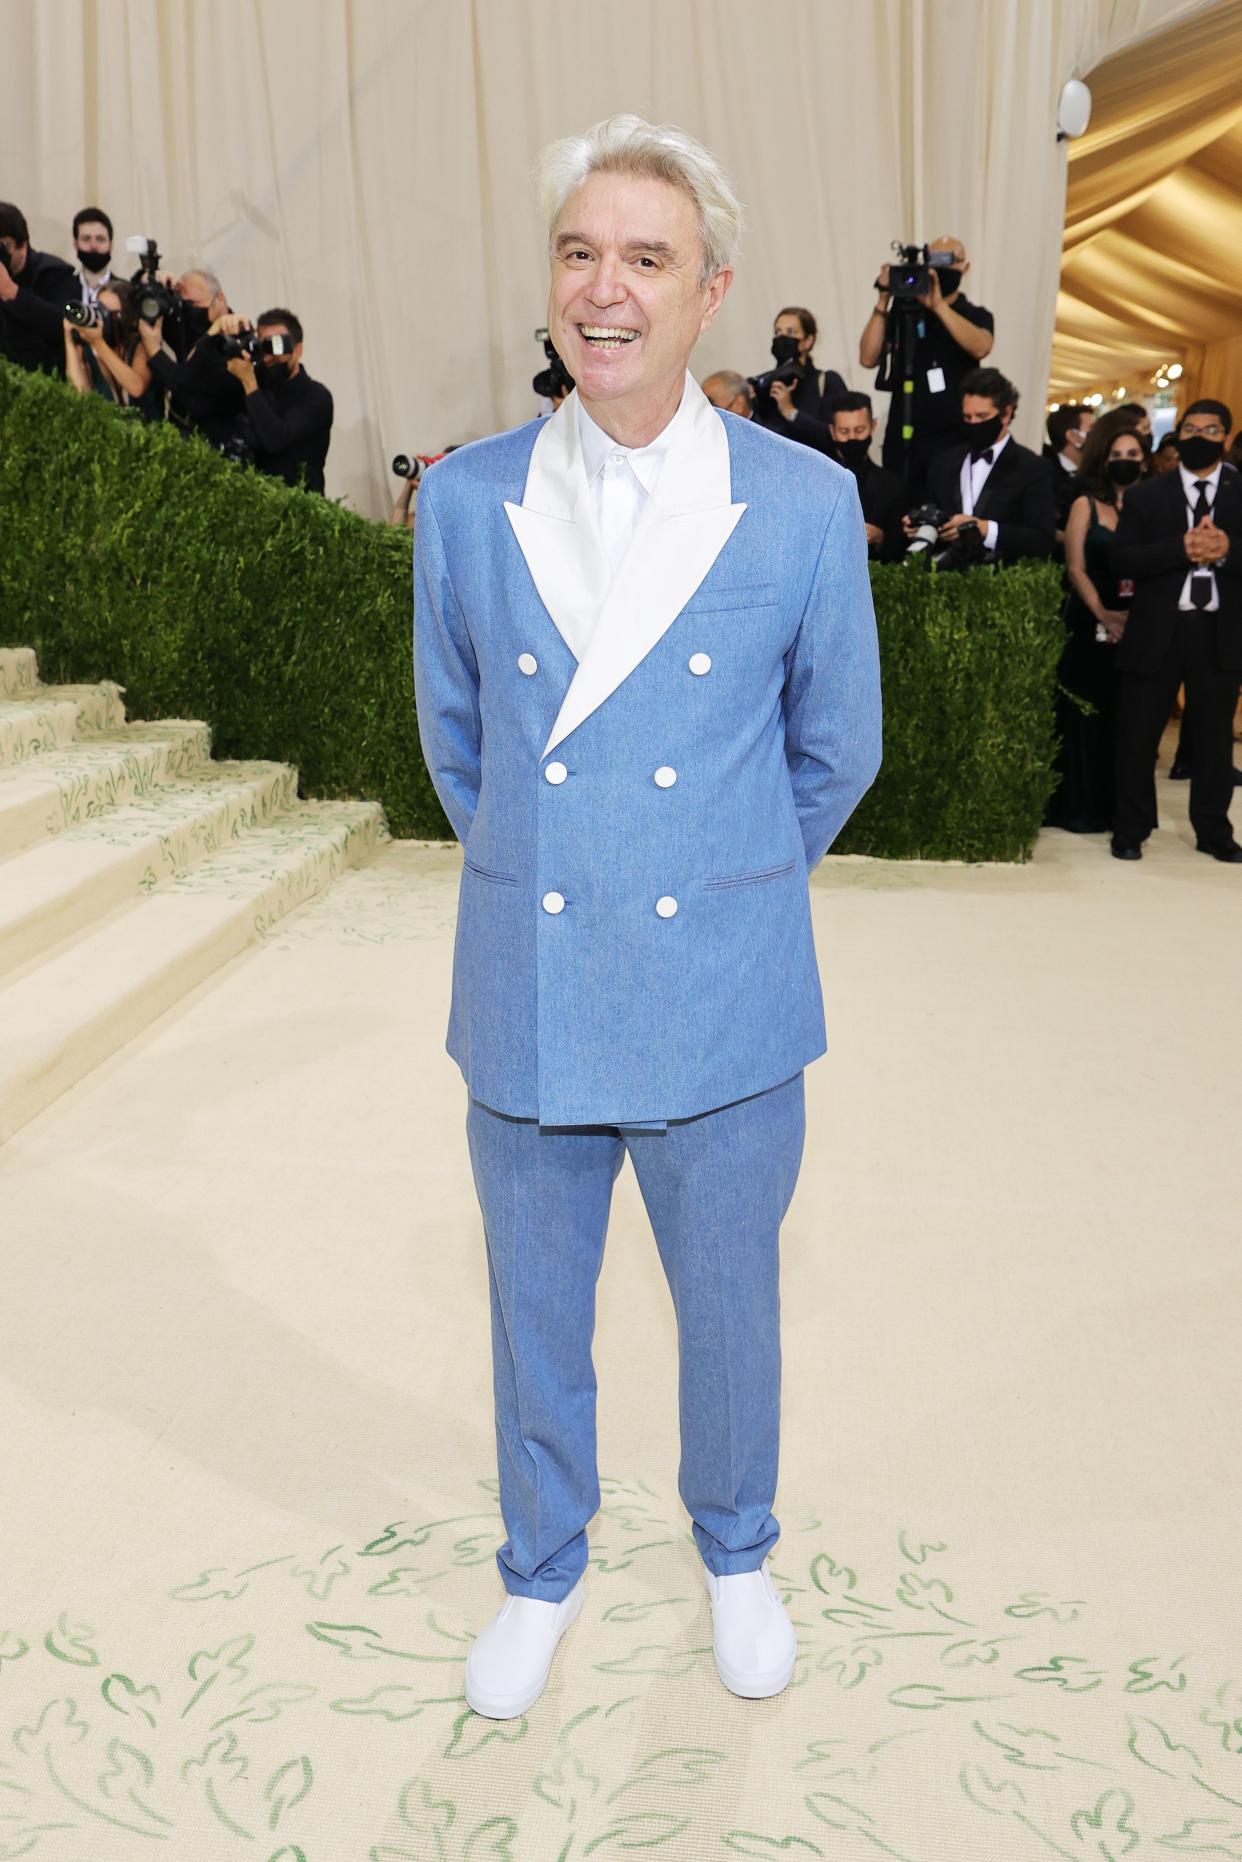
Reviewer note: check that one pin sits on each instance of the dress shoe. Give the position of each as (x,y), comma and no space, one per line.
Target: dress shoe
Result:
(1229,851)
(1124,849)
(508,1663)
(1180,772)
(753,1639)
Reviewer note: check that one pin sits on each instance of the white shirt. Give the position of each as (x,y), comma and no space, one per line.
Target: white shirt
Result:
(974,478)
(1189,484)
(1066,463)
(93,283)
(621,477)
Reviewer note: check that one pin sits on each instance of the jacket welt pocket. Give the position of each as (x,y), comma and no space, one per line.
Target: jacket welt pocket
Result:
(757,595)
(749,879)
(486,872)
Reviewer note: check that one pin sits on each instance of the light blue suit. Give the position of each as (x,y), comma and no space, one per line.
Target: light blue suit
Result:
(642,769)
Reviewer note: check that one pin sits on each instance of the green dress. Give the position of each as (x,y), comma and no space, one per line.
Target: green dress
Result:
(1082,801)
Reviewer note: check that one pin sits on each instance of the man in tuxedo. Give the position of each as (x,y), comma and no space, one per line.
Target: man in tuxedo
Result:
(851,429)
(1180,541)
(1069,427)
(991,481)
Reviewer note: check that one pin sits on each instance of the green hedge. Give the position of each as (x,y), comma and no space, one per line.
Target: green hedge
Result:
(284,620)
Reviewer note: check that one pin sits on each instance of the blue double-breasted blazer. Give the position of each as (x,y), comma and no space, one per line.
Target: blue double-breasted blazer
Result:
(642,768)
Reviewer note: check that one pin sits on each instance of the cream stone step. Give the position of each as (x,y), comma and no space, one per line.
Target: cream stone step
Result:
(19,671)
(60,788)
(53,889)
(67,1014)
(48,716)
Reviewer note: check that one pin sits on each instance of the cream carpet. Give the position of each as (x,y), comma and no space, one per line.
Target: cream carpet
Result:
(249,1495)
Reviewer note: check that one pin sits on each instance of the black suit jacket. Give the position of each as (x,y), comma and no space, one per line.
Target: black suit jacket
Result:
(32,325)
(883,498)
(1017,496)
(1148,547)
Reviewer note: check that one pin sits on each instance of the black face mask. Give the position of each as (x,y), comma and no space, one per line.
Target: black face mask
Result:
(94,261)
(1125,471)
(1198,452)
(195,320)
(980,434)
(275,374)
(950,278)
(853,453)
(785,350)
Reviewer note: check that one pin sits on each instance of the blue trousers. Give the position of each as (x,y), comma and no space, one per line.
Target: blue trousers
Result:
(716,1189)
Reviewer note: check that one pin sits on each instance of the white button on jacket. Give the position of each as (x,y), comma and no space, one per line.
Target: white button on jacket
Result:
(665,777)
(556,772)
(700,662)
(553,902)
(527,663)
(666,906)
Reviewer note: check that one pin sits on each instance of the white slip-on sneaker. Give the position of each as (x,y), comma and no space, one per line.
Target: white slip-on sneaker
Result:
(508,1663)
(753,1640)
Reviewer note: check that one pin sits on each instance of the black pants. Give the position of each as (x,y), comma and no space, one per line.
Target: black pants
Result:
(1143,708)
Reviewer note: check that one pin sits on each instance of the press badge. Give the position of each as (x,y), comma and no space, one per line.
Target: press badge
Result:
(935,381)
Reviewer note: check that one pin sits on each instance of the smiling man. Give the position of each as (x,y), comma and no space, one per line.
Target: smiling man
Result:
(648,697)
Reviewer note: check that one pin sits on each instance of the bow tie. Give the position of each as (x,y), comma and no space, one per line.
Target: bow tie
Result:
(984,458)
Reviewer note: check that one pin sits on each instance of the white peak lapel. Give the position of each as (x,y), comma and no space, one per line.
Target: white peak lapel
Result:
(682,528)
(557,533)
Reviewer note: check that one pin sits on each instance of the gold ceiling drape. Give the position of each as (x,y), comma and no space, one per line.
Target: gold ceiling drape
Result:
(1152,265)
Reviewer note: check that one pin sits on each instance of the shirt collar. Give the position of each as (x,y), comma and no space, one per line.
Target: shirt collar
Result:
(1070,465)
(1189,481)
(645,461)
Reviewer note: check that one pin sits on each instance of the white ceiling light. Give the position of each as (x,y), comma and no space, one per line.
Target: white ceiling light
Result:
(1073,109)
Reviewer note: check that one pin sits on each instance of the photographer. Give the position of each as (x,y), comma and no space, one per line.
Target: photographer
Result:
(793,397)
(851,428)
(949,337)
(92,242)
(34,289)
(203,397)
(106,357)
(288,413)
(991,482)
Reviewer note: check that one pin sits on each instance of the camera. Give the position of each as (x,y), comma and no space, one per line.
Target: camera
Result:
(245,343)
(555,379)
(910,277)
(86,316)
(962,552)
(154,300)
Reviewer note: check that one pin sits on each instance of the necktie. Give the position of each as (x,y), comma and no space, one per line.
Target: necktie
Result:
(986,457)
(1201,579)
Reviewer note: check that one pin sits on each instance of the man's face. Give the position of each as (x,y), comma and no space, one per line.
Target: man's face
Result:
(292,353)
(1205,423)
(787,325)
(16,254)
(1080,431)
(626,256)
(851,424)
(93,237)
(194,289)
(978,407)
(960,261)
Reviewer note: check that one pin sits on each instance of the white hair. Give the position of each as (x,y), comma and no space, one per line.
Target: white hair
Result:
(626,145)
(209,278)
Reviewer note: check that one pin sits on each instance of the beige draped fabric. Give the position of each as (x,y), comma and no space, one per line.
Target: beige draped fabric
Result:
(1152,271)
(367,162)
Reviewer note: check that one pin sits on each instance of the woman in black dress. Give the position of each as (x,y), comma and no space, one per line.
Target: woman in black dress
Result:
(1095,617)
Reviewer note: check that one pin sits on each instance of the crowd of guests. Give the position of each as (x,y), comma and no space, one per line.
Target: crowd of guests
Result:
(1153,556)
(169,346)
(1151,538)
